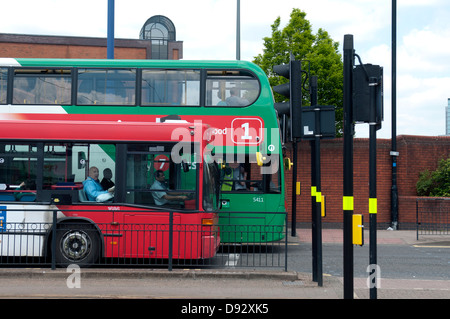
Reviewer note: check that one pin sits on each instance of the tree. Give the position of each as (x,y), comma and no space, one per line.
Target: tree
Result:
(320,56)
(436,183)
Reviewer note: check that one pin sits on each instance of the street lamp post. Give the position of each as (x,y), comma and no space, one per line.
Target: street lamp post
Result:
(110,40)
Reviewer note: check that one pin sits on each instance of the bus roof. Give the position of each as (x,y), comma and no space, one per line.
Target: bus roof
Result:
(119,131)
(124,63)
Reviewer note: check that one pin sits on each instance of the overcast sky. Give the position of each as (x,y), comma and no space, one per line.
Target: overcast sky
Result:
(208,30)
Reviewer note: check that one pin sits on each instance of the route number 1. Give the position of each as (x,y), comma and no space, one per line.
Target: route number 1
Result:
(248,131)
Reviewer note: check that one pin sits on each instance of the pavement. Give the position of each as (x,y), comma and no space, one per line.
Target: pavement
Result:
(94,283)
(389,288)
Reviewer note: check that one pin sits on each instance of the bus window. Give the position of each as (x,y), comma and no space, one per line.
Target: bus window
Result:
(18,169)
(106,87)
(248,176)
(3,84)
(231,88)
(152,174)
(42,86)
(170,87)
(62,169)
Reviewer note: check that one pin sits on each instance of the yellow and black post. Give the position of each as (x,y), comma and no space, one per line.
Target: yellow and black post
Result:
(316,194)
(348,165)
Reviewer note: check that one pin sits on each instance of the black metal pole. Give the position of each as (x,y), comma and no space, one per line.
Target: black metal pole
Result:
(372,212)
(54,239)
(394,153)
(348,166)
(373,82)
(286,244)
(313,97)
(318,199)
(313,211)
(294,187)
(170,240)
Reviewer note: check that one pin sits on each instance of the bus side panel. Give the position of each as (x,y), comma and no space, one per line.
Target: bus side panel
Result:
(140,235)
(23,229)
(262,222)
(146,235)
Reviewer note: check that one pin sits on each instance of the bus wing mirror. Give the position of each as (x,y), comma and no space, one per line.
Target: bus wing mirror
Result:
(287,163)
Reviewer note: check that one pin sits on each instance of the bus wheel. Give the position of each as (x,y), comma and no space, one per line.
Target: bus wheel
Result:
(77,246)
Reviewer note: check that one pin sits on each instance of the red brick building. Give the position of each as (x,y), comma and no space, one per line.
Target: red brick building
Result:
(157,41)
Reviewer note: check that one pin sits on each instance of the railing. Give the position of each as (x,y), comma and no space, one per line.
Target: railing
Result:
(62,242)
(432,216)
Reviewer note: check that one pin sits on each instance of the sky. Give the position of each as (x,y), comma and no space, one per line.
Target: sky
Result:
(208,31)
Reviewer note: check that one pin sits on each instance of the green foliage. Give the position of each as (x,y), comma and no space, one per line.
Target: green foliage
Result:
(437,183)
(318,53)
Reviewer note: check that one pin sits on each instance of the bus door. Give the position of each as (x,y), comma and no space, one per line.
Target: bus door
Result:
(151,172)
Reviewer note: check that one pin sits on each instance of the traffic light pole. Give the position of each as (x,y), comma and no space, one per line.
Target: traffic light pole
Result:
(316,191)
(348,166)
(394,152)
(318,234)
(373,83)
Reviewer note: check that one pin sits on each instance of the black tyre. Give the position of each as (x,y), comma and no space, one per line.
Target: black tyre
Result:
(78,245)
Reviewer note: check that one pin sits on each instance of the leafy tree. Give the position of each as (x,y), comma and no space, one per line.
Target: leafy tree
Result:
(319,53)
(436,183)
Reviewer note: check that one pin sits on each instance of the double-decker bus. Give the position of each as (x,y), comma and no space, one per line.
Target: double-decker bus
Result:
(162,175)
(232,97)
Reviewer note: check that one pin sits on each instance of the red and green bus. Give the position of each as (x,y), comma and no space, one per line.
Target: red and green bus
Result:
(51,166)
(233,97)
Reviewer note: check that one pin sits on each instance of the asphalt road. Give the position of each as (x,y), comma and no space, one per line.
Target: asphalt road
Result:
(427,262)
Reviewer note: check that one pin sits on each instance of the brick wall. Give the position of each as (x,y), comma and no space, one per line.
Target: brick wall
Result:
(21,50)
(417,153)
(40,46)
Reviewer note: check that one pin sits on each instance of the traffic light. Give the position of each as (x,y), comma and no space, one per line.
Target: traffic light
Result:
(368,94)
(293,91)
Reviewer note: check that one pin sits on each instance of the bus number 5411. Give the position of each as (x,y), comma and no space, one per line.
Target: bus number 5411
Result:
(258,199)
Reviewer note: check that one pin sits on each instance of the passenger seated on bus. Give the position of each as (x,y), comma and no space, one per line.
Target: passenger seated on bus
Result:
(161,197)
(235,99)
(94,190)
(106,182)
(221,102)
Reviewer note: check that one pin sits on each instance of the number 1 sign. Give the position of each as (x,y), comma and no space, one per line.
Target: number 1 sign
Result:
(246,131)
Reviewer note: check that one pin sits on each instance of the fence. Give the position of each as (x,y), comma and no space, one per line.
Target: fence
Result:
(432,216)
(61,242)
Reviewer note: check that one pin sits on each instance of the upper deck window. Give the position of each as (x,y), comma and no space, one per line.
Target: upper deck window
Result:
(106,87)
(42,86)
(170,87)
(3,84)
(231,88)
